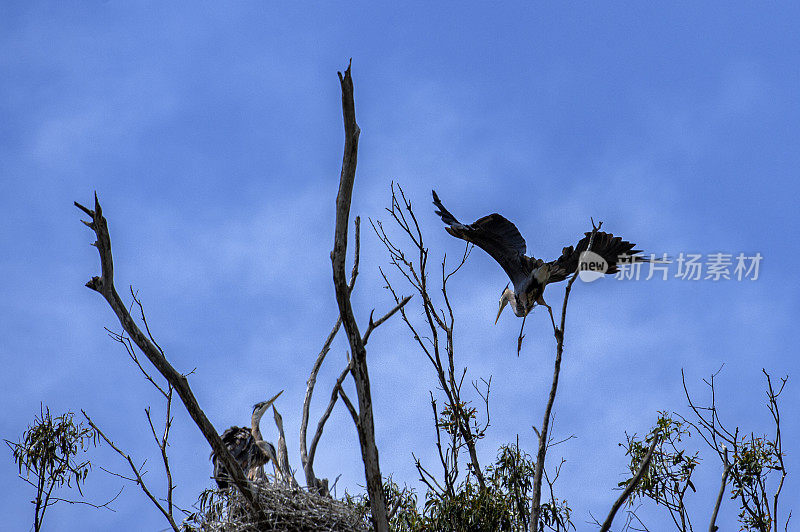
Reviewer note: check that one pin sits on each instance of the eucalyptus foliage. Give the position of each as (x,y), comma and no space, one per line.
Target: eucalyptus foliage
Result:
(47,457)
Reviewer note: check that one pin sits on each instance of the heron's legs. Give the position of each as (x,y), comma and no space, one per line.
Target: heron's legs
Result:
(541,301)
(521,336)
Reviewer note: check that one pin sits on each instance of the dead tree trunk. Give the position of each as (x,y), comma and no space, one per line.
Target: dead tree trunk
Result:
(365,425)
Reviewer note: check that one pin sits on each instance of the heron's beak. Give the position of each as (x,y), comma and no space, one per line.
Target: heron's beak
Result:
(503,304)
(273,399)
(262,407)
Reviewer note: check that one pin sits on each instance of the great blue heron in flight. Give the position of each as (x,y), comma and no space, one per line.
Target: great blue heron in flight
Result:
(248,447)
(501,239)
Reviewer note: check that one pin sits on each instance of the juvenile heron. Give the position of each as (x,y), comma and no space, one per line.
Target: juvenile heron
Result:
(501,239)
(248,447)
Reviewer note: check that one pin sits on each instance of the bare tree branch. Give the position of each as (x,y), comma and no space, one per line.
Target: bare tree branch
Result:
(126,343)
(306,458)
(162,443)
(283,454)
(439,324)
(104,285)
(772,404)
(365,425)
(138,477)
(375,324)
(540,455)
(349,405)
(752,458)
(326,414)
(105,505)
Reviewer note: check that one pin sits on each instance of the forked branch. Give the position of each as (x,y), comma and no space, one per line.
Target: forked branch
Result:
(104,285)
(306,456)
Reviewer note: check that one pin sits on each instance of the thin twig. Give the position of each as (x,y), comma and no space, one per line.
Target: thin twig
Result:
(349,405)
(440,324)
(138,477)
(374,325)
(772,397)
(105,505)
(326,414)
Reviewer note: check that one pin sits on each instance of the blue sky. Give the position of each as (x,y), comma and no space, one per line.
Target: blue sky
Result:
(213,137)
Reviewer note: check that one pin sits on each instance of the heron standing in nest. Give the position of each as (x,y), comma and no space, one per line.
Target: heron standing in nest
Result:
(248,447)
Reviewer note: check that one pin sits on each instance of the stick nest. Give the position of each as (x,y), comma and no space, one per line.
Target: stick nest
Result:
(287,509)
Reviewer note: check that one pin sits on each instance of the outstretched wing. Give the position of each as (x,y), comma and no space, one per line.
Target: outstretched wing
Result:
(495,235)
(612,248)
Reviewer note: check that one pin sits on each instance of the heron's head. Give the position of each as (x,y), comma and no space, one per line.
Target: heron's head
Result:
(506,297)
(260,408)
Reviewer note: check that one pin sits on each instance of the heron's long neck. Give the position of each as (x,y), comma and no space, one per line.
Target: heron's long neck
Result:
(512,301)
(255,422)
(510,297)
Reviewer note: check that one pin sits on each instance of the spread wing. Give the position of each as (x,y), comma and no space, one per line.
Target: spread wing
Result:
(496,236)
(608,246)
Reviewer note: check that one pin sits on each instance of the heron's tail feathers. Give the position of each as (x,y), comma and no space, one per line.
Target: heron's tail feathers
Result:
(613,249)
